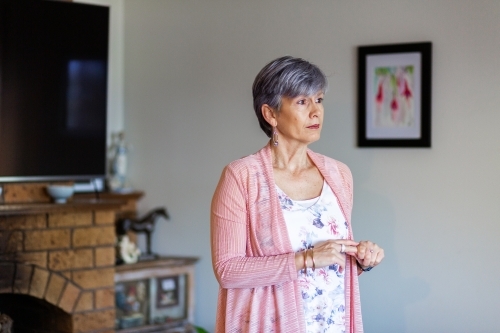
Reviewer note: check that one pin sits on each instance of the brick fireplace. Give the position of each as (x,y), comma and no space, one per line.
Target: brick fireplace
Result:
(57,265)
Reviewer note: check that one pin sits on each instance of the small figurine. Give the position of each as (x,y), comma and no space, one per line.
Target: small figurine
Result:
(127,252)
(145,225)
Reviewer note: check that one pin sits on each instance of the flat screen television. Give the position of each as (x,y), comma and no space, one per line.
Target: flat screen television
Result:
(53,90)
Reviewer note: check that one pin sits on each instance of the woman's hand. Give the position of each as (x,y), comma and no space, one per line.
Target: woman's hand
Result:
(369,254)
(330,252)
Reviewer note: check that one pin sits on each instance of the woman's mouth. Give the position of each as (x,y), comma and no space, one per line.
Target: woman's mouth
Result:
(313,126)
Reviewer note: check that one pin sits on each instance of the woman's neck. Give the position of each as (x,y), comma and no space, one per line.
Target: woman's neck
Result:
(292,158)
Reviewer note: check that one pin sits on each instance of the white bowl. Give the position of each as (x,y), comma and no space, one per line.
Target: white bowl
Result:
(60,193)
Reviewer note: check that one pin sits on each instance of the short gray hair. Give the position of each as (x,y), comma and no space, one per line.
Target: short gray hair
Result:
(285,77)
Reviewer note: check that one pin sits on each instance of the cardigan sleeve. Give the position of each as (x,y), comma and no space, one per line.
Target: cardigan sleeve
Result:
(232,266)
(347,180)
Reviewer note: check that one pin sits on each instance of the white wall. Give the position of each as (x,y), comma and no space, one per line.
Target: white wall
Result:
(189,66)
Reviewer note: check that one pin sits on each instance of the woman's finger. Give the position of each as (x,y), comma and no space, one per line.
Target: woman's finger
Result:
(373,256)
(369,254)
(361,251)
(380,256)
(368,261)
(351,250)
(346,246)
(365,248)
(346,242)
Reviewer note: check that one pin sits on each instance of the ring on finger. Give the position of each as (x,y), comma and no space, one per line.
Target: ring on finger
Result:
(371,251)
(342,248)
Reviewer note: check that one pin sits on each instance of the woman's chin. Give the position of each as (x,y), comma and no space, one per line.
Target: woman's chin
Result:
(314,138)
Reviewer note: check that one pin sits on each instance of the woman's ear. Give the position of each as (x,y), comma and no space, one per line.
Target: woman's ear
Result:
(269,115)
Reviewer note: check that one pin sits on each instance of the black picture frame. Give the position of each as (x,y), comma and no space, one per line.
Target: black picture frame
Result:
(167,294)
(394,95)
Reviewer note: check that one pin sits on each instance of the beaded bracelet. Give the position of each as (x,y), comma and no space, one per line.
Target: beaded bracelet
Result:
(312,256)
(305,261)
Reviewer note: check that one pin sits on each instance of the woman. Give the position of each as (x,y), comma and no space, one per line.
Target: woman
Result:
(282,244)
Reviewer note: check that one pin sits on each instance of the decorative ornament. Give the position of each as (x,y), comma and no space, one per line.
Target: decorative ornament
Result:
(127,251)
(118,151)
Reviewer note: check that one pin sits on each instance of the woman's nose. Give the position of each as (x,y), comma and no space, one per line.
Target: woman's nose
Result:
(316,109)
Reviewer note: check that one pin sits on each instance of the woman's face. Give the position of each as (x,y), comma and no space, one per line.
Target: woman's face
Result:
(300,118)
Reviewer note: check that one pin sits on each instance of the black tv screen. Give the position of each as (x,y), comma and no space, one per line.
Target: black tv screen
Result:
(53,90)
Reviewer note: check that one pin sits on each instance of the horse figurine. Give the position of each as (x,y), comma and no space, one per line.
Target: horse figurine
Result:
(145,225)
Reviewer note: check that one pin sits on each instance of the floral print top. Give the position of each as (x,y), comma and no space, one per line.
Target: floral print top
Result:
(310,222)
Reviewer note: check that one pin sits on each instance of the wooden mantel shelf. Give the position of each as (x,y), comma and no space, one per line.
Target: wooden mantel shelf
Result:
(74,205)
(134,195)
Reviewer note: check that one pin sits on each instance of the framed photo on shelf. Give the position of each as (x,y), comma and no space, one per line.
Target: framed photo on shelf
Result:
(169,305)
(168,292)
(394,95)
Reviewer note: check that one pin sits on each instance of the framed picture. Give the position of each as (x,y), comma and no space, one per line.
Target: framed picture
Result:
(167,293)
(394,95)
(169,306)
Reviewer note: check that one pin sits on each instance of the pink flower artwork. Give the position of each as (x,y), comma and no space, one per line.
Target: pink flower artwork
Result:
(394,109)
(379,99)
(407,91)
(393,96)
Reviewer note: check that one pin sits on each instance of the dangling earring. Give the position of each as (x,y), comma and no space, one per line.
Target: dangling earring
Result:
(275,137)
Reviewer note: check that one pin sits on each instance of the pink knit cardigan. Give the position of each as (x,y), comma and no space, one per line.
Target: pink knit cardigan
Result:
(252,255)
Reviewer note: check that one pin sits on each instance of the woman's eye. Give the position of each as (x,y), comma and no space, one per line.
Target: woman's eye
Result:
(301,102)
(319,100)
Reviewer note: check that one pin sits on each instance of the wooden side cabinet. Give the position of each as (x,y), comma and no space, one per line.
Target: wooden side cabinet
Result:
(155,295)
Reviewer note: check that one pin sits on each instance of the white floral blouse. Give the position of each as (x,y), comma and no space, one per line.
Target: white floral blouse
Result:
(310,222)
